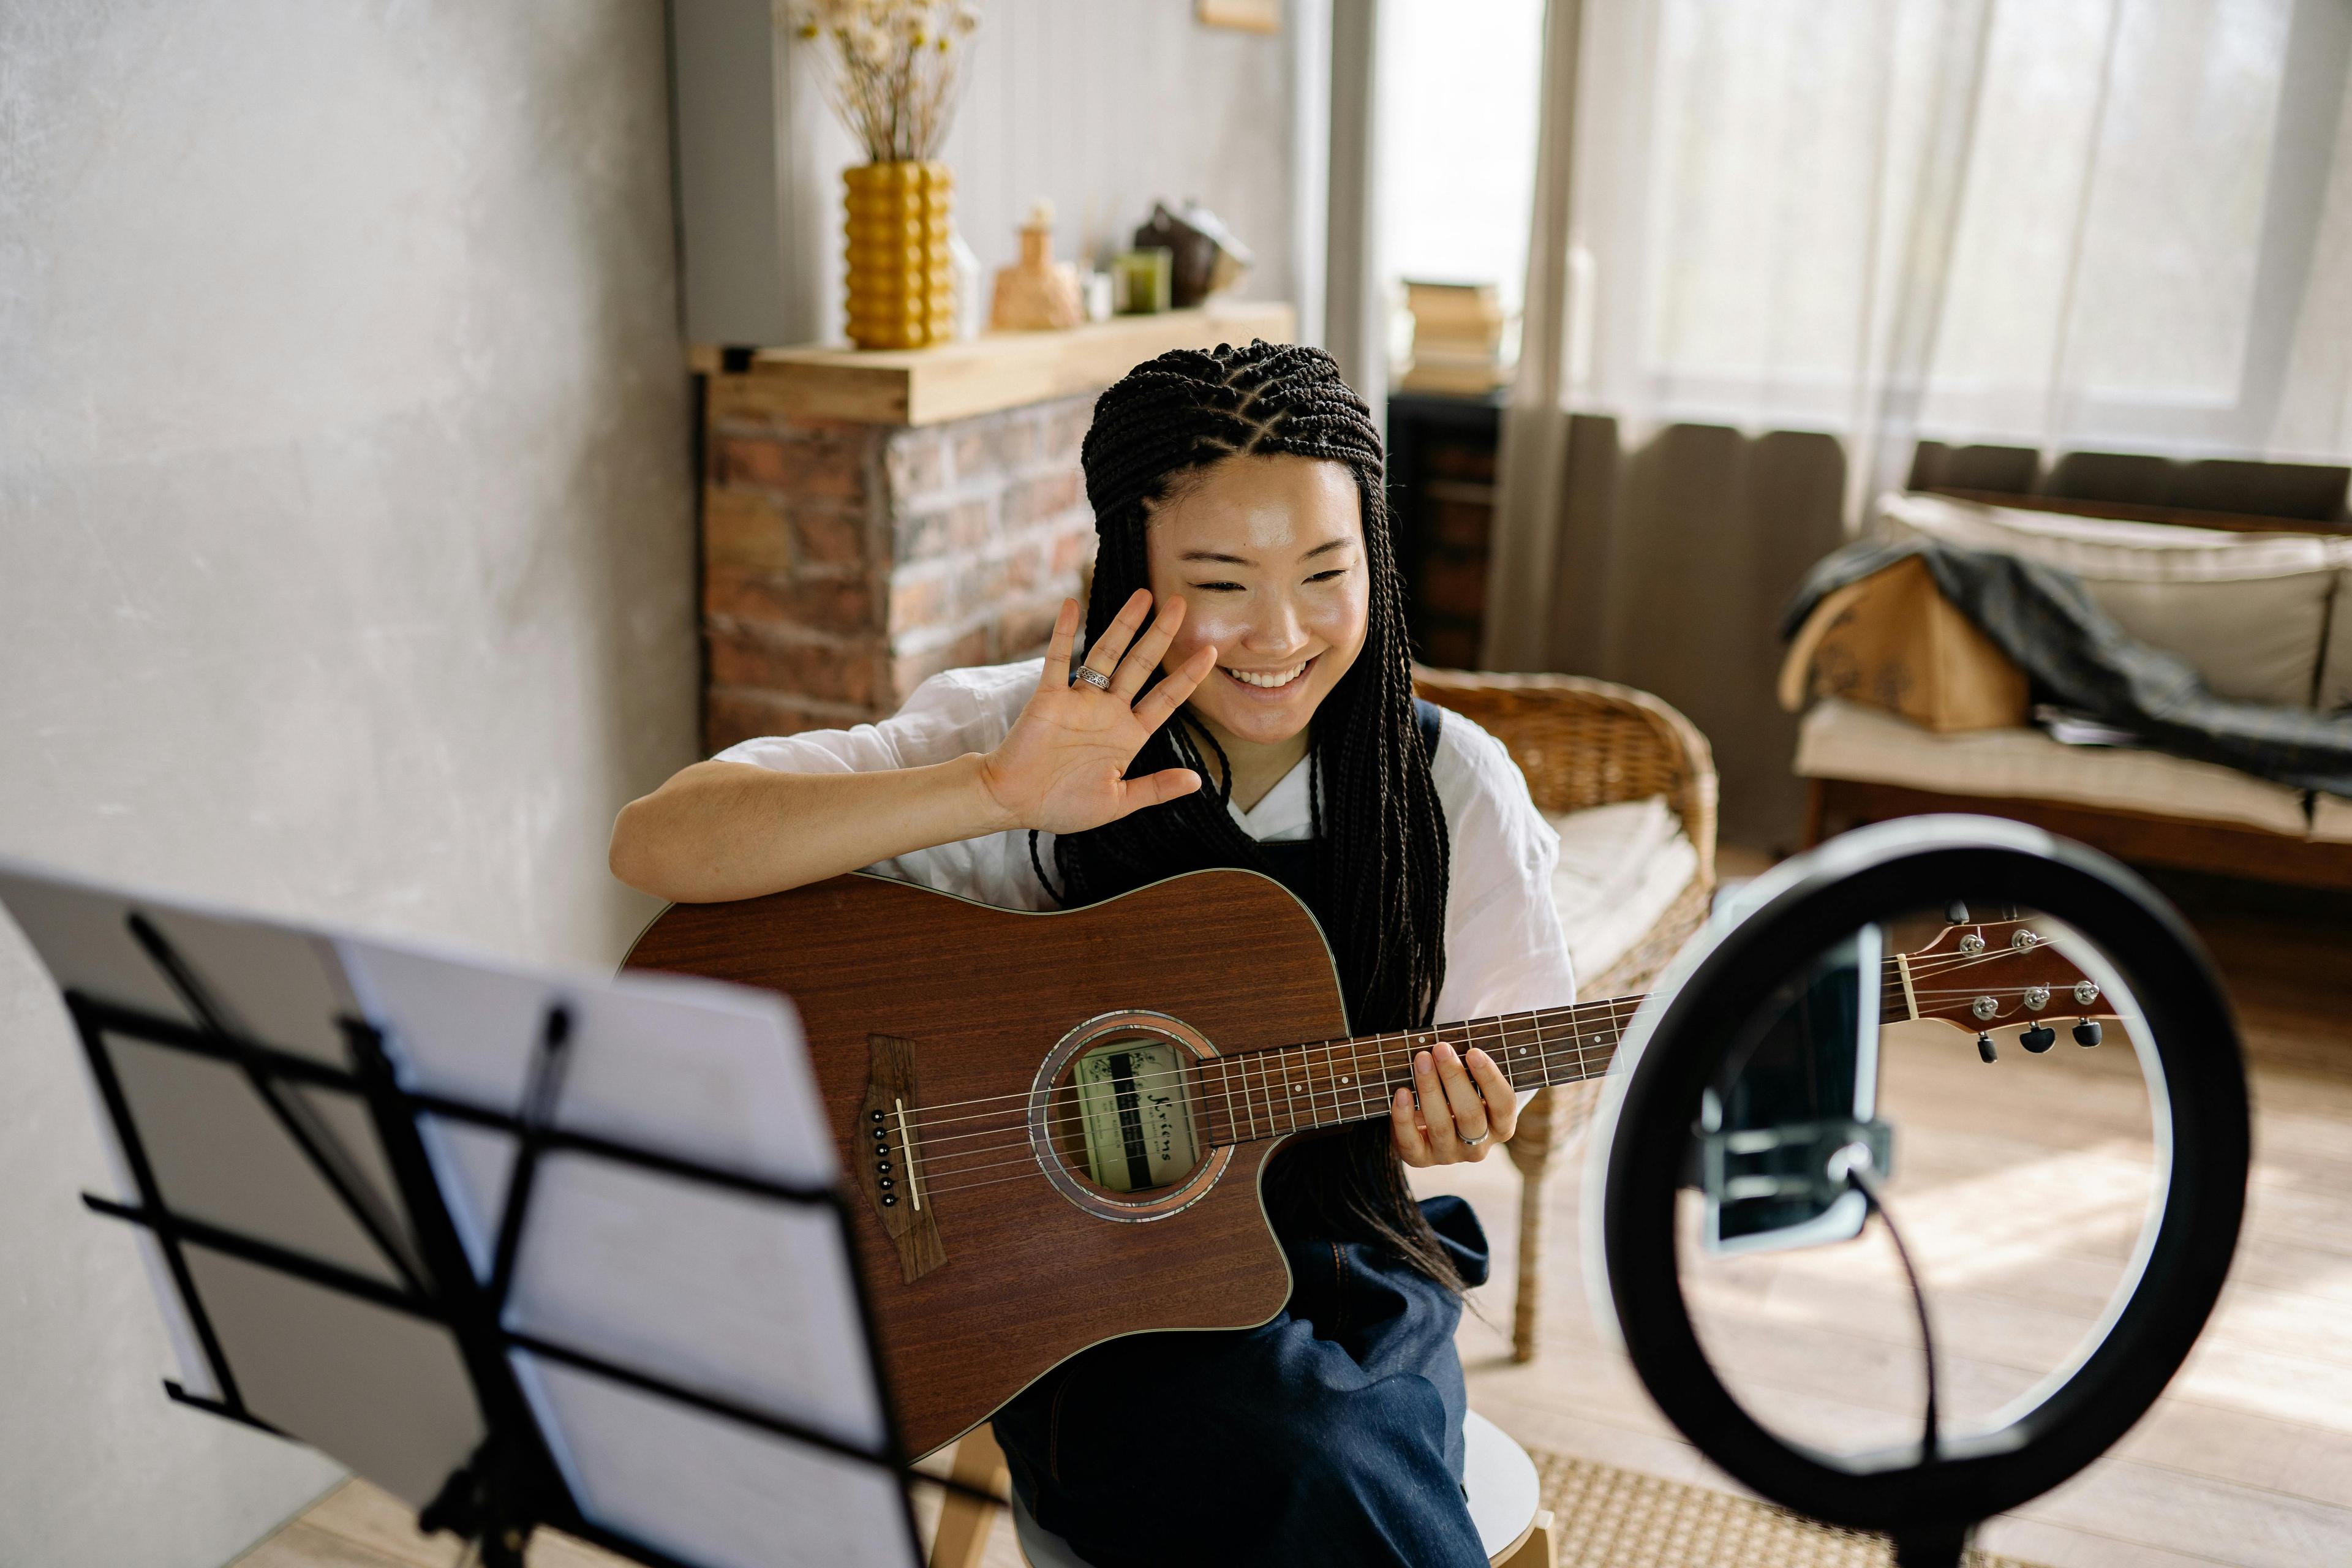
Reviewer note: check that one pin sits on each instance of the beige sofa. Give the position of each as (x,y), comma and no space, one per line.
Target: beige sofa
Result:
(2262,617)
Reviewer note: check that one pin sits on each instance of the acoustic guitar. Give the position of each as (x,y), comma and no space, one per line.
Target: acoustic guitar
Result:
(1060,1121)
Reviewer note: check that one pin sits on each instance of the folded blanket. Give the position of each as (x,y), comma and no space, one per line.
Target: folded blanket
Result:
(2075,655)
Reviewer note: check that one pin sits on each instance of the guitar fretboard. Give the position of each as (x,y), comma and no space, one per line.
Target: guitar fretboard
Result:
(1269,1093)
(1281,1089)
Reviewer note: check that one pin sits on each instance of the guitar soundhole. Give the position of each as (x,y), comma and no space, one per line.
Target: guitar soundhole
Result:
(1116,1121)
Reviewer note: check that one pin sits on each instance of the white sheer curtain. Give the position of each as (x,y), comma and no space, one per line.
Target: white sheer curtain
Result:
(2120,225)
(1777,242)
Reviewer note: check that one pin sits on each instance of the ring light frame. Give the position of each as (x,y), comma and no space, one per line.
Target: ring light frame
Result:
(1678,1045)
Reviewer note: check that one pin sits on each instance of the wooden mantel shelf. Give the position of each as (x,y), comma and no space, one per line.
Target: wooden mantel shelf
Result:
(997,369)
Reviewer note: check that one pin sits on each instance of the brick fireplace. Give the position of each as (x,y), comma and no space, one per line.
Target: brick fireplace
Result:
(869,520)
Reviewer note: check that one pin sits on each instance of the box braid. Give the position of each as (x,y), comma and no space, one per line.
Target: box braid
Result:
(1380,856)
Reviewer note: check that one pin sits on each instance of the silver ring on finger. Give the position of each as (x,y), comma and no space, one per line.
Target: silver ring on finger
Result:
(1092,677)
(1474,1142)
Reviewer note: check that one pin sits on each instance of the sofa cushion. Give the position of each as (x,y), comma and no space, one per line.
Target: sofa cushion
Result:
(2336,658)
(2247,611)
(1840,741)
(1620,867)
(2331,818)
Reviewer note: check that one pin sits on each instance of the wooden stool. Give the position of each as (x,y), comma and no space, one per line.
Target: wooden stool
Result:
(1506,1504)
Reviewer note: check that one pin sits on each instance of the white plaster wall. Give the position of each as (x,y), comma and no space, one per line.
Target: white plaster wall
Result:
(345,571)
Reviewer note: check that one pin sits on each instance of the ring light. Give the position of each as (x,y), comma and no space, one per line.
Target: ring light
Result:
(1692,1027)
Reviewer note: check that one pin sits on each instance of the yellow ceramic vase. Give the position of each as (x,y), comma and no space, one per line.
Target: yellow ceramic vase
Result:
(901,276)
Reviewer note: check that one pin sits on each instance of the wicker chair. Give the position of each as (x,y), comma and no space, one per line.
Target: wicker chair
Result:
(1584,743)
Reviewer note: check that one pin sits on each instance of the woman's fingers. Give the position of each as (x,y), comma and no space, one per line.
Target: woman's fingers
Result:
(1164,699)
(1494,1088)
(1462,1097)
(1444,1140)
(1057,673)
(1141,660)
(1412,1143)
(1156,789)
(1103,656)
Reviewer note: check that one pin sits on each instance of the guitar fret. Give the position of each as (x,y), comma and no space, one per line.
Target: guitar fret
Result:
(1285,1089)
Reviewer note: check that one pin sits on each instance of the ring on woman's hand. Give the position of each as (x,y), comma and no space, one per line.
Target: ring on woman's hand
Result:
(1093,677)
(1474,1142)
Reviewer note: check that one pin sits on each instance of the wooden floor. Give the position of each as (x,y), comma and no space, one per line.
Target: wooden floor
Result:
(2020,1188)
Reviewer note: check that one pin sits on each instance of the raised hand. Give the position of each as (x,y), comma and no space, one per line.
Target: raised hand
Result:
(1063,767)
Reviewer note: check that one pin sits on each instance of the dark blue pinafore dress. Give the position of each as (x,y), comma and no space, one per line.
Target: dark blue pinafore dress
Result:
(1331,1435)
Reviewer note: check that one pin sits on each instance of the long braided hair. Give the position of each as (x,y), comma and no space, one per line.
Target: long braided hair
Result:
(1380,857)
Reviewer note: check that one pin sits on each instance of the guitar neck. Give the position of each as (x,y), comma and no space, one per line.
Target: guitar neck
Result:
(1282,1089)
(1270,1093)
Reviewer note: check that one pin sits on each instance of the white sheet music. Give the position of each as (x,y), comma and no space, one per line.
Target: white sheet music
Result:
(372,1388)
(733,1295)
(737,1295)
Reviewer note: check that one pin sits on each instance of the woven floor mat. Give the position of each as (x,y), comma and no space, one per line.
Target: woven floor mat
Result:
(1609,1518)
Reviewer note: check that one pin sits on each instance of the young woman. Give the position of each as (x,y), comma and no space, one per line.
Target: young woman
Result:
(1262,717)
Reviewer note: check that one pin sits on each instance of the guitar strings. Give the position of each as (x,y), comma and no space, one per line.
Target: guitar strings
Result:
(1617,1007)
(1208,1089)
(1514,1045)
(1061,1120)
(1509,1038)
(1508,1035)
(1240,1131)
(968,1162)
(937,1165)
(1940,965)
(1620,1008)
(944,1162)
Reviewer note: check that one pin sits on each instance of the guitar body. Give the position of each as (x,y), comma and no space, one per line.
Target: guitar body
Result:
(947,1010)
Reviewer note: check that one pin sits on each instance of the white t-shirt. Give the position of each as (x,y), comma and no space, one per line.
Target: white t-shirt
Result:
(1504,950)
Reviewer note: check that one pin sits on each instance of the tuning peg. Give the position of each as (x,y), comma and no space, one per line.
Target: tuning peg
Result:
(2039,1038)
(1984,1047)
(2087,1033)
(1955,913)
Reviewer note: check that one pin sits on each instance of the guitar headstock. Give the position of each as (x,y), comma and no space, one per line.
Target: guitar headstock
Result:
(1992,974)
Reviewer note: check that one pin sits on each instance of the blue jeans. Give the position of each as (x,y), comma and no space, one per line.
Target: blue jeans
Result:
(1332,1434)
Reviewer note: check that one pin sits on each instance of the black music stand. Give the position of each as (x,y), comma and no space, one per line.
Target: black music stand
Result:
(338,1242)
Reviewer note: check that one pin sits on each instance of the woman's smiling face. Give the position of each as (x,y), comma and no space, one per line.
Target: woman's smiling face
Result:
(1268,554)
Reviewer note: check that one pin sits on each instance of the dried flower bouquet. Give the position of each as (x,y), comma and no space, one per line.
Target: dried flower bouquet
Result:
(893,68)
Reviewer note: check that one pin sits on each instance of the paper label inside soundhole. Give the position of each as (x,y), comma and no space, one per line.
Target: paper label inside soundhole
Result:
(1137,1120)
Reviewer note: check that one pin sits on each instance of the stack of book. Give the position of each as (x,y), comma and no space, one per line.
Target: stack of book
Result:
(1459,332)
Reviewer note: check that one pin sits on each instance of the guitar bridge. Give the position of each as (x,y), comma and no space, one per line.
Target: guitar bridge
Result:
(889,1159)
